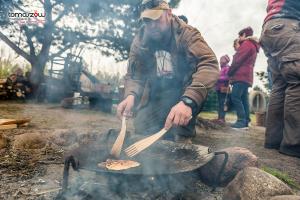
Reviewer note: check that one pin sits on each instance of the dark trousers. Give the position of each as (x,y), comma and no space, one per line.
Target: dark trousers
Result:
(240,102)
(151,118)
(221,101)
(281,41)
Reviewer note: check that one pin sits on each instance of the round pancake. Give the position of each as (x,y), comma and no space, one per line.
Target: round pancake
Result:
(118,164)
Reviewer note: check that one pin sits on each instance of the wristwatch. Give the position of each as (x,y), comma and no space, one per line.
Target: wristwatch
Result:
(189,102)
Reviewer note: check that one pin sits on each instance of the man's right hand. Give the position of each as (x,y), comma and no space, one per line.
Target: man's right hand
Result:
(125,107)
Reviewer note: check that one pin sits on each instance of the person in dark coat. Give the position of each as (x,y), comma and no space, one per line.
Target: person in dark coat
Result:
(280,41)
(241,76)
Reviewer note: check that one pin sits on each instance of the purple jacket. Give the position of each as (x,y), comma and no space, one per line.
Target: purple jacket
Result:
(223,80)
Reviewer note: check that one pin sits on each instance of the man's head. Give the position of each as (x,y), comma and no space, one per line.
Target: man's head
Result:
(246,32)
(156,15)
(236,44)
(19,72)
(13,78)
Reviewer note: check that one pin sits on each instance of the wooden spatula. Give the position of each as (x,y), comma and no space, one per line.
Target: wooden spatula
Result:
(117,147)
(139,146)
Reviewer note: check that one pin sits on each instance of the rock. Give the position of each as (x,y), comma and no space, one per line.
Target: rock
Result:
(30,141)
(64,137)
(253,183)
(3,142)
(238,159)
(286,197)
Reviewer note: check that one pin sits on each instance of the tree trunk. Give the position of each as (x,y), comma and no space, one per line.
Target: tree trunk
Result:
(37,77)
(37,73)
(38,64)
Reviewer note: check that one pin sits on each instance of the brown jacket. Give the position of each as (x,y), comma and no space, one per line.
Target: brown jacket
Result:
(194,63)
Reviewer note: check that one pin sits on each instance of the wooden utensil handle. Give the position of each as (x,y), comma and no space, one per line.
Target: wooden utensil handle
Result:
(20,121)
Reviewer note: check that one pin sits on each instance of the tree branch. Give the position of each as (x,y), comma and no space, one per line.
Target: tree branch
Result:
(61,15)
(61,51)
(15,47)
(47,31)
(97,45)
(29,40)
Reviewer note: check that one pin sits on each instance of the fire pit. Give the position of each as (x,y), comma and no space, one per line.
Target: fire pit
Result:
(165,165)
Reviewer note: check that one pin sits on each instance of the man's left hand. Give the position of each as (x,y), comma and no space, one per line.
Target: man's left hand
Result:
(180,115)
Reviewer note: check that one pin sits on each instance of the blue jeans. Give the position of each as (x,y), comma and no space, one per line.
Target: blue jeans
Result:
(240,102)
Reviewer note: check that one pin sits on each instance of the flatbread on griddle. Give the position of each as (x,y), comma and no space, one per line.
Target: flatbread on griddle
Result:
(118,164)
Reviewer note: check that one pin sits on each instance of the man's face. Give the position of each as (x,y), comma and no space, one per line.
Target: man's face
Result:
(156,29)
(13,78)
(236,45)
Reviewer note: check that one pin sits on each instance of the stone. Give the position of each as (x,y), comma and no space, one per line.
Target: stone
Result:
(253,183)
(30,141)
(238,159)
(64,137)
(286,197)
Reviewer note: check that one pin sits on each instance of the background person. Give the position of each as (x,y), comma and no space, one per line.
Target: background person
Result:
(222,88)
(241,76)
(280,41)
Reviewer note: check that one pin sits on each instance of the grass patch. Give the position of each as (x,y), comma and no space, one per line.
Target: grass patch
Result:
(230,116)
(282,176)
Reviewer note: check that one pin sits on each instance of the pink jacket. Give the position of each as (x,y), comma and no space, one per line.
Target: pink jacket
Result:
(223,80)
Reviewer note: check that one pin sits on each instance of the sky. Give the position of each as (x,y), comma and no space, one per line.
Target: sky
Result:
(219,21)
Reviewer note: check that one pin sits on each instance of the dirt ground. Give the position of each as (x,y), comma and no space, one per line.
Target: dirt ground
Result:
(34,171)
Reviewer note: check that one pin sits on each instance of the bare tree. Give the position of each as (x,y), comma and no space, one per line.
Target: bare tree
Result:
(106,25)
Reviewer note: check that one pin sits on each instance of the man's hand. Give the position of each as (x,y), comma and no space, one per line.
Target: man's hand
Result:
(180,115)
(125,107)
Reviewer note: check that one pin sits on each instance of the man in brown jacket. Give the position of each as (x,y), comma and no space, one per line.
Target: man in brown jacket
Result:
(170,70)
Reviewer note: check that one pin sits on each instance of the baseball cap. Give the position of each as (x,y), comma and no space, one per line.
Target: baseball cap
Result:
(153,9)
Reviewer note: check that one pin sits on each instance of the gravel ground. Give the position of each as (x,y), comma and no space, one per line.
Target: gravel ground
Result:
(26,173)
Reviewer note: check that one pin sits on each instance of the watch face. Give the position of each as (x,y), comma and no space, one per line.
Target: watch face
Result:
(189,101)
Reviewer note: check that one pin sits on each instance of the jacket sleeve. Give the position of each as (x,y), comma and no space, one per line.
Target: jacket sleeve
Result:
(135,77)
(239,58)
(206,70)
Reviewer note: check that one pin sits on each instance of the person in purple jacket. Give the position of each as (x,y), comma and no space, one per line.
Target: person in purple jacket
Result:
(280,41)
(223,82)
(241,76)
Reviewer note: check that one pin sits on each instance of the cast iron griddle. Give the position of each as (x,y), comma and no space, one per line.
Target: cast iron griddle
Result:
(162,158)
